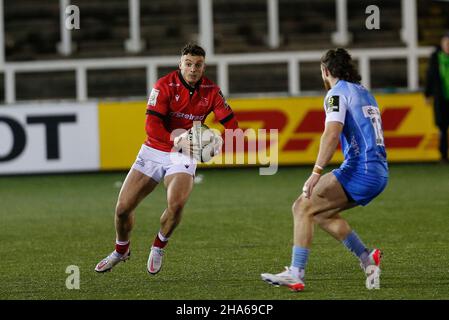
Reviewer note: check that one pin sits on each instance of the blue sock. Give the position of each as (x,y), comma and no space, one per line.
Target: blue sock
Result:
(355,245)
(299,257)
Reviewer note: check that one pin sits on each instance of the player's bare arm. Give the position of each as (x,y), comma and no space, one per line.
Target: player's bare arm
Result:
(328,145)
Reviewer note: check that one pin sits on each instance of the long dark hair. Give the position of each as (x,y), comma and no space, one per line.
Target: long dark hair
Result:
(340,65)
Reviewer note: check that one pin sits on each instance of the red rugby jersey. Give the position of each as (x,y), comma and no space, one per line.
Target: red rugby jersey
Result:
(174,104)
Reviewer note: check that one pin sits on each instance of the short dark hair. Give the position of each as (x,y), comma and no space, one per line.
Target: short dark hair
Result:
(340,65)
(193,49)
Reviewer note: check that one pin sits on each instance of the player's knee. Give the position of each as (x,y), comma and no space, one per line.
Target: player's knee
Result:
(296,207)
(319,220)
(176,207)
(123,209)
(301,207)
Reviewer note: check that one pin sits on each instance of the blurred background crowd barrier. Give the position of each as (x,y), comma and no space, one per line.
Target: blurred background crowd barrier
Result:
(74,98)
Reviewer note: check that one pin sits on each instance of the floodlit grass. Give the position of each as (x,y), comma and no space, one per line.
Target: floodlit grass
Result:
(236,225)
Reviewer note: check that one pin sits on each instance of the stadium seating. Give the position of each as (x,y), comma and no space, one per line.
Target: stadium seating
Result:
(32,33)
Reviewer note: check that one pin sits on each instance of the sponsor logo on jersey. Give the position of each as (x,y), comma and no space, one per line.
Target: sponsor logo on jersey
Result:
(370,111)
(153,97)
(333,104)
(187,116)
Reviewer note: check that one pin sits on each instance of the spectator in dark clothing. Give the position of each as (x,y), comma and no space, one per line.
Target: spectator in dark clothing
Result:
(437,91)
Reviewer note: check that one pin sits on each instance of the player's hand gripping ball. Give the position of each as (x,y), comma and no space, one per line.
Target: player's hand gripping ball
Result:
(200,142)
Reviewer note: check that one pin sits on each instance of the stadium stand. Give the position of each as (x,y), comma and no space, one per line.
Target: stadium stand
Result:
(32,33)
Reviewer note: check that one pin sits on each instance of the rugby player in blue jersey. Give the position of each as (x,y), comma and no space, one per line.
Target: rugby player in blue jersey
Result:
(353,118)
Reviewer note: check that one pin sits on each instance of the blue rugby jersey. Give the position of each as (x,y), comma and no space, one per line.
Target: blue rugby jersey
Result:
(362,137)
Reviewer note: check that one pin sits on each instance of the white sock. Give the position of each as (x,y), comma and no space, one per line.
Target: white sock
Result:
(162,237)
(298,273)
(121,243)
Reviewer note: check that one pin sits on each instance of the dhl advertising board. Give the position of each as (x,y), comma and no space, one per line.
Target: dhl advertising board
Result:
(408,128)
(64,137)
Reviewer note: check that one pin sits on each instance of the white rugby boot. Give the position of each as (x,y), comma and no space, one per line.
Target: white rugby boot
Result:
(285,278)
(111,260)
(372,270)
(154,264)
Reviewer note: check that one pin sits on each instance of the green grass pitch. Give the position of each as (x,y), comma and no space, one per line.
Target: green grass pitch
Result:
(236,225)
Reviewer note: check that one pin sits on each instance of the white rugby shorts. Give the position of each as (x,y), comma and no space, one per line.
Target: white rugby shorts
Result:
(157,164)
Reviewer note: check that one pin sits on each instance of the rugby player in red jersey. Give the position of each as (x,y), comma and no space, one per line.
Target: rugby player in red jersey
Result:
(176,100)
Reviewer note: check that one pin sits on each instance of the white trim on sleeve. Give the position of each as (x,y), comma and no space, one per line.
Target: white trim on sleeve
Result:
(335,106)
